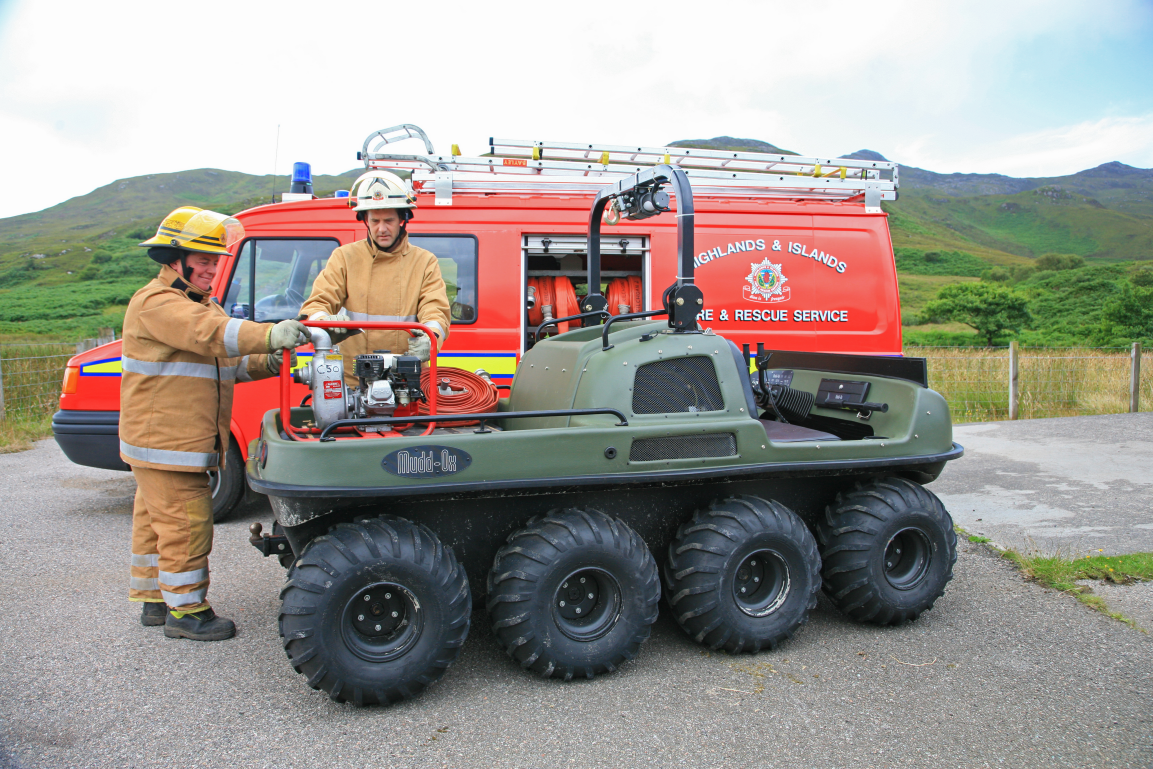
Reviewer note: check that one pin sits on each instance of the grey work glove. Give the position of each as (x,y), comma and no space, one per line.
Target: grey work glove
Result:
(272,362)
(287,334)
(337,335)
(420,346)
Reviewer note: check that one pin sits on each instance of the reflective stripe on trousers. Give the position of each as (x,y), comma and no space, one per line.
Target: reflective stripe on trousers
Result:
(184,599)
(169,457)
(180,579)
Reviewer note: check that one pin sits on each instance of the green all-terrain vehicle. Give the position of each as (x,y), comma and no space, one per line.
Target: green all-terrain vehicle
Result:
(623,444)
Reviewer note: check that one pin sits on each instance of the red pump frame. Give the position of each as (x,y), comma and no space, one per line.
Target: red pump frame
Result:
(286,371)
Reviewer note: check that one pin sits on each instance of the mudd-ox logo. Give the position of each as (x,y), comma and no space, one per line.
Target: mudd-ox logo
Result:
(426,461)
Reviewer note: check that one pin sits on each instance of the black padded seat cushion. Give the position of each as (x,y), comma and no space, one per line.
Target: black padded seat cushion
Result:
(779,432)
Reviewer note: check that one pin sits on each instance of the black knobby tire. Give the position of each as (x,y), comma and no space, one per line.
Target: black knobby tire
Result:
(742,575)
(227,485)
(888,547)
(337,617)
(574,593)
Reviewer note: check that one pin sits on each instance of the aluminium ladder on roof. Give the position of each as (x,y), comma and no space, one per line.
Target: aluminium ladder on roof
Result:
(568,167)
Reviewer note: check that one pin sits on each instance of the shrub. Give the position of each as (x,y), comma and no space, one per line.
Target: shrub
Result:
(1057,262)
(91,272)
(100,256)
(987,309)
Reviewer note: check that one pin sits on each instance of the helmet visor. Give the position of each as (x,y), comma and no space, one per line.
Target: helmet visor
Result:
(233,232)
(211,232)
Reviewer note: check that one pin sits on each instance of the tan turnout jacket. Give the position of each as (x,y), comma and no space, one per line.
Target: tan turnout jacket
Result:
(181,356)
(402,285)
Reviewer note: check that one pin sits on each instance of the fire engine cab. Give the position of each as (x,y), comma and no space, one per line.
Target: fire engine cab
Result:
(791,247)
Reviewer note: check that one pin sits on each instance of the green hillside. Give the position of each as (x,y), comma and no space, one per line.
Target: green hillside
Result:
(50,244)
(1078,248)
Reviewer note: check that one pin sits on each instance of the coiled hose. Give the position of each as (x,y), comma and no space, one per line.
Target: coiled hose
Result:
(459,392)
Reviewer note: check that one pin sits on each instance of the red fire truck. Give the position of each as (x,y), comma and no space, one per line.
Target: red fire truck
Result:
(791,246)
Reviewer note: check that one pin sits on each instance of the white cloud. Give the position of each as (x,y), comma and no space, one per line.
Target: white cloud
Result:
(1051,152)
(109,91)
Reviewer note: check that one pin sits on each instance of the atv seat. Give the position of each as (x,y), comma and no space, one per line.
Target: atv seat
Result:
(780,432)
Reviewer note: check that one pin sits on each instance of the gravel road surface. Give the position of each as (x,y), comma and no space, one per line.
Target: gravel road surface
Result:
(1000,673)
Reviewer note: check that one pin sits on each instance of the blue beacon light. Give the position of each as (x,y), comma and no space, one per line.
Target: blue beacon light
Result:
(301,178)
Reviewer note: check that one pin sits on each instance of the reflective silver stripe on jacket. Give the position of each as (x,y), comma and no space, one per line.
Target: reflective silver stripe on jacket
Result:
(141,583)
(168,457)
(182,578)
(184,599)
(353,315)
(242,374)
(232,337)
(144,561)
(168,368)
(436,327)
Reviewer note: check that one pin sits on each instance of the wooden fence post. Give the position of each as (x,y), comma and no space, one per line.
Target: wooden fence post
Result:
(1013,379)
(1135,380)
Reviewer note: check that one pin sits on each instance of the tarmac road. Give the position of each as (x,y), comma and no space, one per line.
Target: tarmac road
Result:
(1073,485)
(999,673)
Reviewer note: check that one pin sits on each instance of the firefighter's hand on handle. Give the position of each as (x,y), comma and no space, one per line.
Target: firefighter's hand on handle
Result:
(272,362)
(286,335)
(420,345)
(338,335)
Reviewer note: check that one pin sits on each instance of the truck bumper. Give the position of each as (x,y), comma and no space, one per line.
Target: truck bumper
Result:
(90,438)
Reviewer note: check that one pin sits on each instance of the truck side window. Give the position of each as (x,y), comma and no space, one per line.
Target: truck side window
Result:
(457,257)
(273,277)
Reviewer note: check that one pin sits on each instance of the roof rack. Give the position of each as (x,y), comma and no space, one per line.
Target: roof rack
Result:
(568,167)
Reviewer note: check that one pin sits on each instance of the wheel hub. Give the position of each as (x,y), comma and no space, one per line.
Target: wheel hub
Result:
(761,583)
(382,622)
(907,558)
(587,604)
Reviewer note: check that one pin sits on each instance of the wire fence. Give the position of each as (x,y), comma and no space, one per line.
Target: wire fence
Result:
(31,375)
(976,382)
(1051,382)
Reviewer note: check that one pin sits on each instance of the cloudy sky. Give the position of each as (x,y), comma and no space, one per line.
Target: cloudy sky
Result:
(92,92)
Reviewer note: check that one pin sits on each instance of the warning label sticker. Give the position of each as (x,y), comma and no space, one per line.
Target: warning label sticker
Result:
(333,389)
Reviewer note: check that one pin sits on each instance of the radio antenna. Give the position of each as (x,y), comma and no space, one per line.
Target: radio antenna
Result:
(275,159)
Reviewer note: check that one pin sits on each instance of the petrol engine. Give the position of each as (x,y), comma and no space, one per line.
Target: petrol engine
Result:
(388,385)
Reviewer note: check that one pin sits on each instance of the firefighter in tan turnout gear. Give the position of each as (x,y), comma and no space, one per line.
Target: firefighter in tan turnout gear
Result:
(181,356)
(383,277)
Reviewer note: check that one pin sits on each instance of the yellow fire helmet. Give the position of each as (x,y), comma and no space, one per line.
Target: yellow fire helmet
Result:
(380,189)
(194,229)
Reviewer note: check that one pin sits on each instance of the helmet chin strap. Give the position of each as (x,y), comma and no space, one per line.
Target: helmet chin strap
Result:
(184,268)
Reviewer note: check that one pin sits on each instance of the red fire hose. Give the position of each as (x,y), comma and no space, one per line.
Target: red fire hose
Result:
(459,392)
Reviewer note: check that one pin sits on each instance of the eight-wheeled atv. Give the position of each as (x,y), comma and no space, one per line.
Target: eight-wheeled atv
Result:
(633,458)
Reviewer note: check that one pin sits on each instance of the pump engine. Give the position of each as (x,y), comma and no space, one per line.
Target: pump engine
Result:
(388,385)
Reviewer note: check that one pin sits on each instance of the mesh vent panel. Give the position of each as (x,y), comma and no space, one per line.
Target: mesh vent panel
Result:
(684,447)
(677,386)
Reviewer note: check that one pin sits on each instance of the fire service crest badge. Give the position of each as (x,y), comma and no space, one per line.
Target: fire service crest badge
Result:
(766,283)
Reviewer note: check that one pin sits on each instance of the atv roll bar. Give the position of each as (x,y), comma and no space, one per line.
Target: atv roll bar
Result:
(482,418)
(627,316)
(581,316)
(685,300)
(305,434)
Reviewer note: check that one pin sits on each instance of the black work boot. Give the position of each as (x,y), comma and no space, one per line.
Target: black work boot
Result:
(201,626)
(153,614)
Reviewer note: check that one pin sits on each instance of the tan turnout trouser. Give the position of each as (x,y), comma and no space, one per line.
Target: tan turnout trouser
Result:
(171,538)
